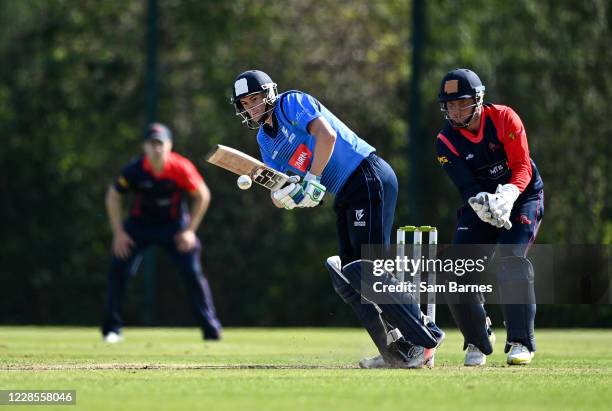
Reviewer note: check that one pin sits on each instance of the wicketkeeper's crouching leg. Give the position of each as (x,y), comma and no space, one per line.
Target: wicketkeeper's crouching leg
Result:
(403,335)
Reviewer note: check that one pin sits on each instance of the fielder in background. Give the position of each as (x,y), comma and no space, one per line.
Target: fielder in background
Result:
(297,134)
(161,180)
(483,149)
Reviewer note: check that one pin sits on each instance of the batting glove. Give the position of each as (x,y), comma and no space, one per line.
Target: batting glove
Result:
(313,191)
(289,196)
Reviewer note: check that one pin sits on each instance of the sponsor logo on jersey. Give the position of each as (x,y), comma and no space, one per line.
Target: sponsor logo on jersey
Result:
(469,156)
(442,160)
(496,169)
(461,228)
(493,146)
(164,202)
(358,218)
(301,158)
(274,154)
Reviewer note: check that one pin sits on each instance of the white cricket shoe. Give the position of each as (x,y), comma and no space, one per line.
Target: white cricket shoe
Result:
(113,338)
(374,363)
(474,357)
(519,354)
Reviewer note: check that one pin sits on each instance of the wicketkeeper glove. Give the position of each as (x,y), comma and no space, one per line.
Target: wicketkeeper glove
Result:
(496,208)
(501,204)
(480,205)
(313,191)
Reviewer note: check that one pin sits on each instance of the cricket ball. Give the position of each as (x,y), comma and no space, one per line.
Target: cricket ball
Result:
(244,182)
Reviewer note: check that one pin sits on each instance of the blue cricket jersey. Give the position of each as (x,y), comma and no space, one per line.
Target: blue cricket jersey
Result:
(290,148)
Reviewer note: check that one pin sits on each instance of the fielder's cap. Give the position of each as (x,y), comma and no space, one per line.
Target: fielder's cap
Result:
(159,132)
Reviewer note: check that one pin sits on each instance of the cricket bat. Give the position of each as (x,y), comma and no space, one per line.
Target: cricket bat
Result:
(243,164)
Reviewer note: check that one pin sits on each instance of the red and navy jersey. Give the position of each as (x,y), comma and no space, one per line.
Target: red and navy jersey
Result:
(159,197)
(498,154)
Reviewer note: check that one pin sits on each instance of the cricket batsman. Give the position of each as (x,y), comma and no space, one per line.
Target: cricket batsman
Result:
(483,148)
(161,181)
(298,134)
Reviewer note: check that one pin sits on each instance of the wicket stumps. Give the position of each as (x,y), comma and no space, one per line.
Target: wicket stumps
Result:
(417,241)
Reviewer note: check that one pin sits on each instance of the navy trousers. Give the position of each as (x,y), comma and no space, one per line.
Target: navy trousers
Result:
(526,217)
(365,208)
(189,268)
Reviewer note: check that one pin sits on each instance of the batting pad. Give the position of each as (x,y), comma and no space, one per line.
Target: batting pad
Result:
(402,310)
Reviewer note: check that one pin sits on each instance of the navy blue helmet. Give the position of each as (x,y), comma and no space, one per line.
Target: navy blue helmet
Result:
(460,84)
(253,82)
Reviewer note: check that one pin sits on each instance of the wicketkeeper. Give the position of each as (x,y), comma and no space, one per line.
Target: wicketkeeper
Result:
(298,134)
(483,149)
(161,181)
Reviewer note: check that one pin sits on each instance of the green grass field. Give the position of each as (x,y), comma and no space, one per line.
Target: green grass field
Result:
(296,369)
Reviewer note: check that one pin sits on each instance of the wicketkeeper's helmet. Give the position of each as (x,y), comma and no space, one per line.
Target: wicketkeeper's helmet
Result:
(459,84)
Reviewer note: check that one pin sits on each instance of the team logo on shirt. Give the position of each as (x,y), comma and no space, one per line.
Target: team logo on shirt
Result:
(451,86)
(493,147)
(290,137)
(358,218)
(523,219)
(442,160)
(301,158)
(123,182)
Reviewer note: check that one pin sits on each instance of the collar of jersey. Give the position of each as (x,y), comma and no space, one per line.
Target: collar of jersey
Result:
(146,165)
(475,138)
(272,131)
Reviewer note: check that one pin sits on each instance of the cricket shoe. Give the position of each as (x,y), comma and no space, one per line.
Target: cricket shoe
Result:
(379,362)
(519,354)
(112,338)
(374,363)
(399,352)
(421,356)
(474,357)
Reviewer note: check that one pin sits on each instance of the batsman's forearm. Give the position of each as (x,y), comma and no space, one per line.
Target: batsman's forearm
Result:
(199,206)
(325,140)
(323,152)
(113,209)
